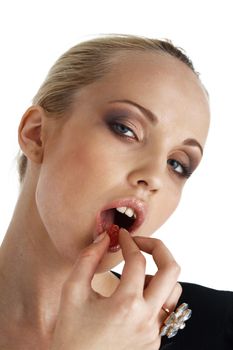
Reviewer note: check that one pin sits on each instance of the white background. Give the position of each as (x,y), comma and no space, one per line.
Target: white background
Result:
(35,33)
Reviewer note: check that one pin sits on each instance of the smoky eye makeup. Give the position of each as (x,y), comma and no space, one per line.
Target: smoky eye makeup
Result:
(192,163)
(120,120)
(123,128)
(183,163)
(118,112)
(129,126)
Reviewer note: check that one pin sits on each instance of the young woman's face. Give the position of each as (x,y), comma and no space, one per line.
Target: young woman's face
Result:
(109,149)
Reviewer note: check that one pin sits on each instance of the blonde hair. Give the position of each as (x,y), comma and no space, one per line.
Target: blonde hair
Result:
(83,64)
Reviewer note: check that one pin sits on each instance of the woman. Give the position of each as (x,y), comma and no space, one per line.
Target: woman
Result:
(112,136)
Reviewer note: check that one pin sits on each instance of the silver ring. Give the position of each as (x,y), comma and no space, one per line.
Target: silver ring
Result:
(175,321)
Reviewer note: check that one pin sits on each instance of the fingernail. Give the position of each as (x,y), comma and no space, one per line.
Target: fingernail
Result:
(100,237)
(124,230)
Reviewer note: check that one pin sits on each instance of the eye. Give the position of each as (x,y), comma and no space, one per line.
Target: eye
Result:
(122,130)
(181,169)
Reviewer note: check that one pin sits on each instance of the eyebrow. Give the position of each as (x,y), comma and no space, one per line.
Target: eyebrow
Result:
(152,117)
(154,120)
(193,142)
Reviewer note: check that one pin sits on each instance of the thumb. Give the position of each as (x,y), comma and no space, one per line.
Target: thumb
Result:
(86,265)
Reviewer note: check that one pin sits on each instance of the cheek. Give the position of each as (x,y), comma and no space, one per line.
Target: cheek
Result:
(62,217)
(96,168)
(72,184)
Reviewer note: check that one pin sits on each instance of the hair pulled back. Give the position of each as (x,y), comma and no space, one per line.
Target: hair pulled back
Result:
(83,64)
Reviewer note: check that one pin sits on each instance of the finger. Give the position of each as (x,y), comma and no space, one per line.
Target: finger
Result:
(133,274)
(147,280)
(162,284)
(171,302)
(79,281)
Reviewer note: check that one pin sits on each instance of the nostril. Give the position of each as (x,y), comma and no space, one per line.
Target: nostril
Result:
(151,186)
(142,182)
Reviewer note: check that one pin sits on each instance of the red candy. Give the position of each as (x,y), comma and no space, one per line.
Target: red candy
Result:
(113,233)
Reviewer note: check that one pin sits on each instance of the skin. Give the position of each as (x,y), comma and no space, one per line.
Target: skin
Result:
(78,164)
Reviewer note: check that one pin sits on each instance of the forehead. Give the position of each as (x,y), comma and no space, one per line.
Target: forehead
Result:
(159,82)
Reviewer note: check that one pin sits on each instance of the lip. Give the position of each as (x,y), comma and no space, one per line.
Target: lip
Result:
(136,204)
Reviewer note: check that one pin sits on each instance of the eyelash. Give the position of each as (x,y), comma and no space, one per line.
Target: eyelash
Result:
(119,133)
(113,126)
(186,170)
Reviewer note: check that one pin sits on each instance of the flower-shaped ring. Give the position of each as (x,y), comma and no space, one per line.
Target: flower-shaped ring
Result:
(175,321)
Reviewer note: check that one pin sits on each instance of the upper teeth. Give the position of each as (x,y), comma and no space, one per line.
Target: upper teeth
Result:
(128,211)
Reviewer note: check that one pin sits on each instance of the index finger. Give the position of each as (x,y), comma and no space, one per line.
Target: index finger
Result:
(131,283)
(164,281)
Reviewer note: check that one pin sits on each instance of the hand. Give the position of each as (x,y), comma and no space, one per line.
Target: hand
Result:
(131,317)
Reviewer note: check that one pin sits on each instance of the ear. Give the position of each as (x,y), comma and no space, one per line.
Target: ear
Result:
(30,133)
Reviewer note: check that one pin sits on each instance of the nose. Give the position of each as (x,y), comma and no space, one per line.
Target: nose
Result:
(148,175)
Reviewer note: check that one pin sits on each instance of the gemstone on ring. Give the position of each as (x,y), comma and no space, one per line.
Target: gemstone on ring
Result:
(175,321)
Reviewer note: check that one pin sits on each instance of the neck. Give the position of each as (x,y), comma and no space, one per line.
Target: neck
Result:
(31,272)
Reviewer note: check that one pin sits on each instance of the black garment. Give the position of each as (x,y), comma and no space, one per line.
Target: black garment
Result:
(211,324)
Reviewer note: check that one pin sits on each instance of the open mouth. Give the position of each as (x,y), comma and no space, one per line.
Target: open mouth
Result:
(115,217)
(126,213)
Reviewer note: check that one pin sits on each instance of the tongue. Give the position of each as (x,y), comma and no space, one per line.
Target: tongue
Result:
(107,218)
